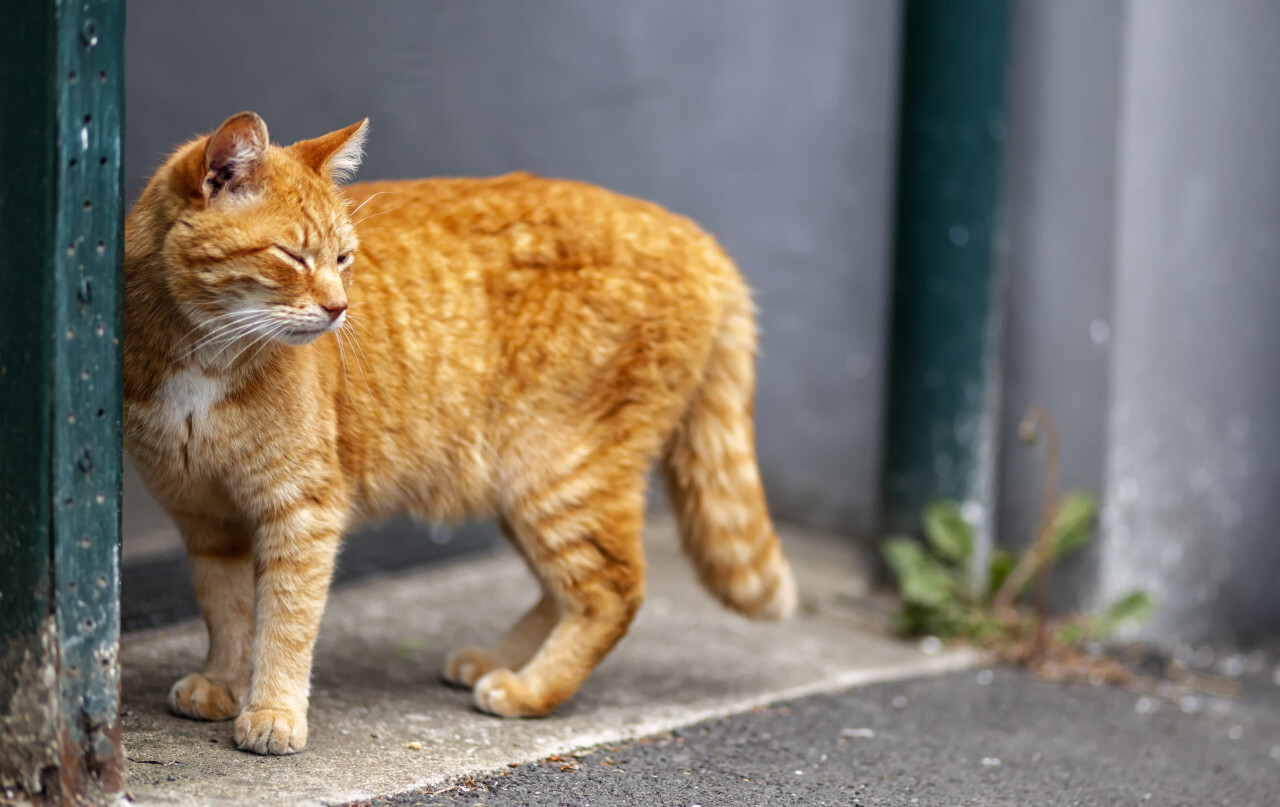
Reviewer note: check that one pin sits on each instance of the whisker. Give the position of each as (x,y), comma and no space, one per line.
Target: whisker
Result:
(262,339)
(355,332)
(375,215)
(224,323)
(367,201)
(243,333)
(229,332)
(358,355)
(357,327)
(226,338)
(355,324)
(272,334)
(346,386)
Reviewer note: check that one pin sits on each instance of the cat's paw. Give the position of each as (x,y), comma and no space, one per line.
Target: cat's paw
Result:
(502,693)
(200,698)
(271,731)
(469,665)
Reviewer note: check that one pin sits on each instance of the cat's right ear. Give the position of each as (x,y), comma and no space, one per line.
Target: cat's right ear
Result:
(234,158)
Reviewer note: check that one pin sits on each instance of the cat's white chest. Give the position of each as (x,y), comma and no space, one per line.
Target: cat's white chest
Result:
(185,399)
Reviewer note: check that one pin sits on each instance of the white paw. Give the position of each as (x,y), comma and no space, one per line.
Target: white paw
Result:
(468,665)
(199,698)
(271,731)
(498,693)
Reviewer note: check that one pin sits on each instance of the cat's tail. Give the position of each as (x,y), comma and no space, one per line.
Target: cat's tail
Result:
(714,483)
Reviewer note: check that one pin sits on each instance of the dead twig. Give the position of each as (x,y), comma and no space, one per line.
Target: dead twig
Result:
(1037,562)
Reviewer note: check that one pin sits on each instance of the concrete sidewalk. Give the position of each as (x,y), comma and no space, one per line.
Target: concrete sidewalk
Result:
(383,643)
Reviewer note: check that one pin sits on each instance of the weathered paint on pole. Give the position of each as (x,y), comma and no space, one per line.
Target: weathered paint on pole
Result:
(943,396)
(60,414)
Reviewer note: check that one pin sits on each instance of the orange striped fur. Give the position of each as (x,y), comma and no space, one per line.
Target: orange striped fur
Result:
(301,357)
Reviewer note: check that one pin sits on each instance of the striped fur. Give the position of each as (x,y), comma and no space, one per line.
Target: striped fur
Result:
(514,346)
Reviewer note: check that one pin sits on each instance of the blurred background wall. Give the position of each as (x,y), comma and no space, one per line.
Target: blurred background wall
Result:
(1142,191)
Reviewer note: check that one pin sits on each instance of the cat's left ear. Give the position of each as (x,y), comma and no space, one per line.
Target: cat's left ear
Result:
(234,157)
(335,155)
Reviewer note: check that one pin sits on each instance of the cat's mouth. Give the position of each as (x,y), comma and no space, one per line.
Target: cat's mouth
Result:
(301,336)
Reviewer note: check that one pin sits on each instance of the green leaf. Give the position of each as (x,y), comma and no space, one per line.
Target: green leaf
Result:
(1002,563)
(912,620)
(1073,523)
(982,627)
(1136,606)
(922,580)
(947,532)
(1071,633)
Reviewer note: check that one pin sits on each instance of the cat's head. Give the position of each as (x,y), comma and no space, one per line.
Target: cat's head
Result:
(261,242)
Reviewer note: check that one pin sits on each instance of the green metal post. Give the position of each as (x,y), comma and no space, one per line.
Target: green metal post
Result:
(943,391)
(60,416)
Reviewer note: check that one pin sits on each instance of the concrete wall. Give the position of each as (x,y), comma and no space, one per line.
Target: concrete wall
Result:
(1142,201)
(771,123)
(1064,94)
(1194,440)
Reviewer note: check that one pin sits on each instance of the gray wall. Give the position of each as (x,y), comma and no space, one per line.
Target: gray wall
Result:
(771,123)
(1064,94)
(1194,441)
(1142,201)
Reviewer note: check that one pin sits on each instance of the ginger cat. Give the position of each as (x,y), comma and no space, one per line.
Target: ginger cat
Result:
(526,347)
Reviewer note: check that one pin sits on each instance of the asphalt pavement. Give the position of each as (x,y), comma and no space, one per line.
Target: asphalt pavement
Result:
(980,737)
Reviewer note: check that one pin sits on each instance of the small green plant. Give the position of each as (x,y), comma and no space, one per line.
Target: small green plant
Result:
(934,580)
(939,599)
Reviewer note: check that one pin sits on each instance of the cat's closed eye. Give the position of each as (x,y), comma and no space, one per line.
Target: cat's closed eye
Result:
(295,257)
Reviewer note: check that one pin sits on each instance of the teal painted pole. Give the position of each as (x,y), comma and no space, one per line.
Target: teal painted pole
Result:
(943,385)
(61,218)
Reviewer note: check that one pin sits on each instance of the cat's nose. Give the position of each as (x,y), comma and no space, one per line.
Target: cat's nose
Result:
(334,311)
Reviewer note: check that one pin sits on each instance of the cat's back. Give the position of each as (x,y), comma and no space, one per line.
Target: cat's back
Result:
(520,221)
(544,271)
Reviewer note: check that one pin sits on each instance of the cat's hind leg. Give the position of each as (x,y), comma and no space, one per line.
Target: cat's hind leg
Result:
(518,644)
(221,565)
(582,533)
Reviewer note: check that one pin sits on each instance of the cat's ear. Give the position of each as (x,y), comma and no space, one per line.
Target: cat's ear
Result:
(234,157)
(335,155)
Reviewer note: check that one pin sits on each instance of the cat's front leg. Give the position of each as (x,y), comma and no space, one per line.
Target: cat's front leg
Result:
(218,553)
(293,556)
